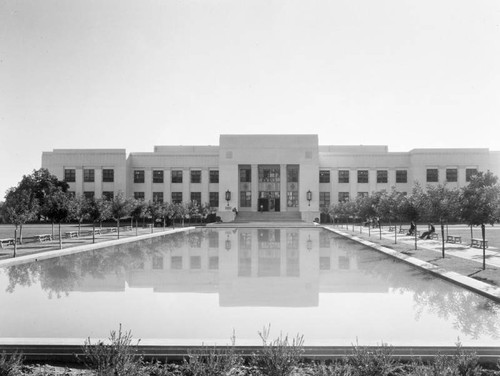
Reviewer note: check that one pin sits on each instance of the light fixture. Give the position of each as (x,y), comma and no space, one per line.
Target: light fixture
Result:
(228,196)
(309,196)
(228,244)
(309,243)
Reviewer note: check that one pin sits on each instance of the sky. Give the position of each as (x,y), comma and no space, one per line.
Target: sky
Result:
(137,73)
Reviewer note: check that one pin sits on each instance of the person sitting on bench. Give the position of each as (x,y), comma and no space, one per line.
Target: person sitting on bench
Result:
(427,234)
(411,231)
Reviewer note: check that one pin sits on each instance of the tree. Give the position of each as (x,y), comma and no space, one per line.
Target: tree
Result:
(98,210)
(138,211)
(19,207)
(78,209)
(57,208)
(121,207)
(479,203)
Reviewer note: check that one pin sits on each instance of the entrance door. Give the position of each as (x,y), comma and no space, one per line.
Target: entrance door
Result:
(263,204)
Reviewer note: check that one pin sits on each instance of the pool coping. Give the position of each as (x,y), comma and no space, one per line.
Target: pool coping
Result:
(469,283)
(87,247)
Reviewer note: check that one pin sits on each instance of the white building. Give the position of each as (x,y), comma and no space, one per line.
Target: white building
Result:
(280,173)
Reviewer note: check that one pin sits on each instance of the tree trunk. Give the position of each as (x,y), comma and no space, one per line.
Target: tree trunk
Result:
(483,232)
(21,233)
(79,228)
(471,236)
(15,241)
(118,227)
(136,230)
(52,229)
(442,236)
(415,235)
(93,232)
(60,237)
(395,234)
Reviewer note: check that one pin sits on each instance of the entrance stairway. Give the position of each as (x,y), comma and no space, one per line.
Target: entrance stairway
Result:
(245,217)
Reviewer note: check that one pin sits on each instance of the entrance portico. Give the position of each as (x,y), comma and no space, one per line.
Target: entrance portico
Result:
(268,173)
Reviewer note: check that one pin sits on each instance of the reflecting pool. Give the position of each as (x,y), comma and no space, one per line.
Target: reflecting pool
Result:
(198,286)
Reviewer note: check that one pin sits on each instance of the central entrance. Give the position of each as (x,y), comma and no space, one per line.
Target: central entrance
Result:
(269,188)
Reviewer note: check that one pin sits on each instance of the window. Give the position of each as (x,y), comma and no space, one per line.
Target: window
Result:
(292,174)
(195,176)
(196,197)
(157,262)
(88,175)
(432,175)
(176,176)
(214,176)
(362,194)
(157,176)
(213,239)
(108,195)
(451,174)
(245,199)
(381,176)
(245,174)
(292,199)
(363,176)
(343,196)
(324,176)
(213,199)
(89,195)
(108,175)
(324,199)
(176,197)
(176,262)
(470,172)
(195,262)
(401,176)
(213,262)
(139,195)
(69,175)
(324,239)
(71,194)
(343,176)
(158,197)
(138,176)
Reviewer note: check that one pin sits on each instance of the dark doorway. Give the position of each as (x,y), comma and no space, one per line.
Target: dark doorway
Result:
(263,204)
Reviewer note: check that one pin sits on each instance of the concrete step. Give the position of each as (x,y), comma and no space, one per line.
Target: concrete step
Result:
(268,217)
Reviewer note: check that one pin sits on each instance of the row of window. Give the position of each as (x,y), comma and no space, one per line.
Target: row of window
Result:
(108,175)
(158,197)
(325,201)
(432,175)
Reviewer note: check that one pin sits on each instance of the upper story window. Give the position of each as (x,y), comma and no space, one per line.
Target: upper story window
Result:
(214,176)
(245,174)
(324,176)
(157,176)
(362,176)
(292,174)
(195,176)
(69,175)
(88,175)
(138,176)
(343,176)
(343,196)
(432,175)
(381,176)
(176,176)
(451,175)
(108,175)
(401,176)
(470,172)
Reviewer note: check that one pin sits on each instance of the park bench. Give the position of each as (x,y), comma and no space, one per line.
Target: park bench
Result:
(478,243)
(392,228)
(71,234)
(434,235)
(6,242)
(128,228)
(112,229)
(403,230)
(453,239)
(97,231)
(43,237)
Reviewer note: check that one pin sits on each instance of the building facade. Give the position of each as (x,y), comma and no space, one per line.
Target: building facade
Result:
(278,173)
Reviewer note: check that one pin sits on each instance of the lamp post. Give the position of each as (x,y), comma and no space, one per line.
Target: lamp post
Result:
(228,196)
(309,197)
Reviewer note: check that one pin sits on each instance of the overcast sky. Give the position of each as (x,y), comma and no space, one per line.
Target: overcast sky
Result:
(134,74)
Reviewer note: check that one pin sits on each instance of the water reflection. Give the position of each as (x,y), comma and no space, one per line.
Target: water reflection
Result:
(258,268)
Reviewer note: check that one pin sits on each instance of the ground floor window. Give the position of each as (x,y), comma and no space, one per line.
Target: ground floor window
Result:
(88,195)
(139,195)
(469,172)
(213,199)
(324,199)
(176,197)
(196,197)
(451,175)
(401,176)
(292,199)
(343,196)
(245,199)
(108,195)
(158,197)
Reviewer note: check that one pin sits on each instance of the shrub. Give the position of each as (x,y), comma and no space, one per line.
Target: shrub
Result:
(116,358)
(11,365)
(377,361)
(279,357)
